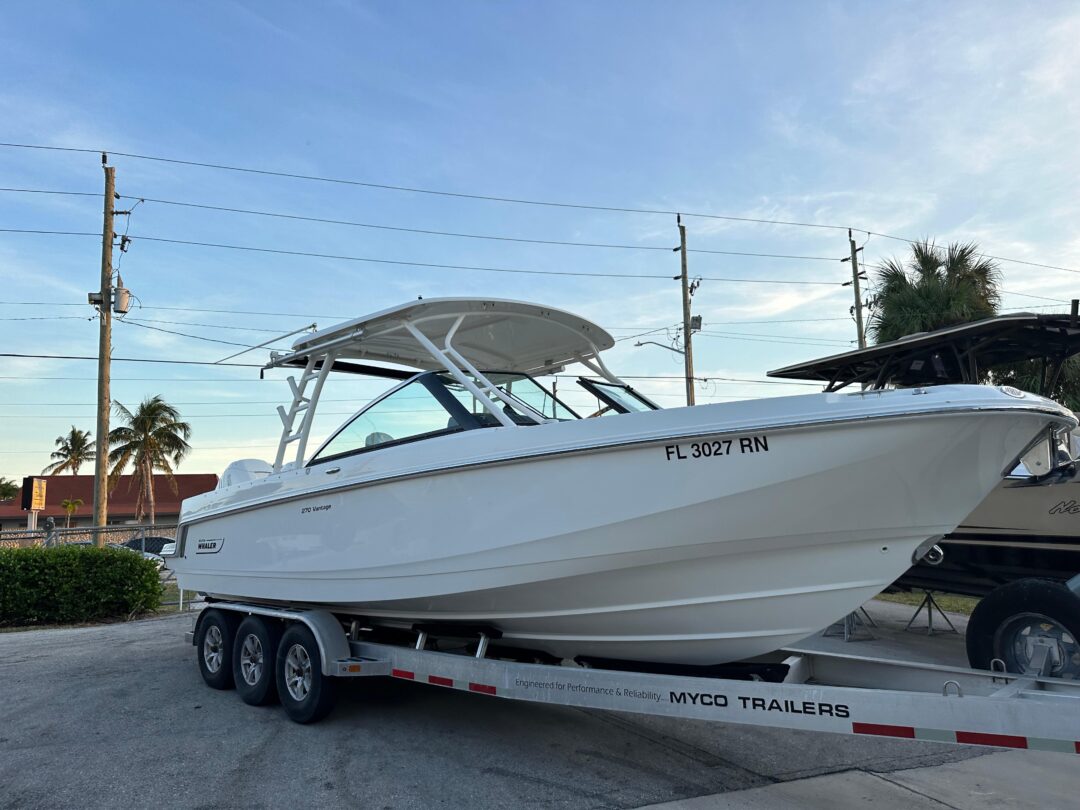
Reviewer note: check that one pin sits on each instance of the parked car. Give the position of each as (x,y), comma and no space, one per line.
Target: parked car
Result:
(153,544)
(156,559)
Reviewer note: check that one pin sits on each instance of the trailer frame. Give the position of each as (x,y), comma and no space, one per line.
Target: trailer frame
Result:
(825,692)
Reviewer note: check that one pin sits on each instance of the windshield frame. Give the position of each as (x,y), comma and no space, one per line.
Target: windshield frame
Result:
(434,386)
(437,386)
(520,375)
(598,389)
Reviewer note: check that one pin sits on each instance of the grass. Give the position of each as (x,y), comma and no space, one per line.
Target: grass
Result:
(948,601)
(171,593)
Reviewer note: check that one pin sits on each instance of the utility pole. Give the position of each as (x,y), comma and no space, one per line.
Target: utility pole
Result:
(858,292)
(688,352)
(104,302)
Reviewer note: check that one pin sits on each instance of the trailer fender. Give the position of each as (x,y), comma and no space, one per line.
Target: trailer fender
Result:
(328,632)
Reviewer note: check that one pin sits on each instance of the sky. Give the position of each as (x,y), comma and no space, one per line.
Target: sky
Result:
(955,121)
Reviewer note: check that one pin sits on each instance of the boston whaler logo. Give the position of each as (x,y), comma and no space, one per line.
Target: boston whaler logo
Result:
(1066,508)
(209,545)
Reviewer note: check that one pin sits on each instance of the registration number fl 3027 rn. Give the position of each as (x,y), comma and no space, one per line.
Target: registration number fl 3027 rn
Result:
(741,445)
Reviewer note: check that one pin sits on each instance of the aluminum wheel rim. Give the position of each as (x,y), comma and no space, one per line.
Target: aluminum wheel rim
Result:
(213,649)
(298,672)
(251,660)
(1016,642)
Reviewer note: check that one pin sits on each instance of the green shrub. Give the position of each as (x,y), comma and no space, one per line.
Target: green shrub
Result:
(70,584)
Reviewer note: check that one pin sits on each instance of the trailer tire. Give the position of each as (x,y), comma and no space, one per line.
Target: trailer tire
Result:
(254,658)
(306,693)
(1006,622)
(214,647)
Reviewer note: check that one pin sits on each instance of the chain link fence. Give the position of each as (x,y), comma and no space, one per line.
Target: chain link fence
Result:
(146,540)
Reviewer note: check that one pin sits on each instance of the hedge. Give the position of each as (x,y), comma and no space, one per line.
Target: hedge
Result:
(70,584)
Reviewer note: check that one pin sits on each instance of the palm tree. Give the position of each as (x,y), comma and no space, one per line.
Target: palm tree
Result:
(936,288)
(73,450)
(8,489)
(71,506)
(154,438)
(1029,377)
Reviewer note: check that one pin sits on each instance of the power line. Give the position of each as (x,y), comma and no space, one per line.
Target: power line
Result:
(514,200)
(50,233)
(50,191)
(187,334)
(425,231)
(52,318)
(417,190)
(1030,295)
(129,319)
(782,320)
(122,360)
(767,335)
(981,255)
(403,263)
(460,235)
(222,312)
(790,342)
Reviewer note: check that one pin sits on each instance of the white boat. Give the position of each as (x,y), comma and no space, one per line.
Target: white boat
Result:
(687,535)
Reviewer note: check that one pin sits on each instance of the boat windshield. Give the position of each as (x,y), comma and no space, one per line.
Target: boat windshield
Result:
(435,404)
(521,388)
(620,398)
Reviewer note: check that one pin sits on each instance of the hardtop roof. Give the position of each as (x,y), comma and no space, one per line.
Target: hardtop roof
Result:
(953,354)
(512,336)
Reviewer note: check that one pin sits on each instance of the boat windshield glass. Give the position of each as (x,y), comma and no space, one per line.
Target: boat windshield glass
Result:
(520,387)
(409,413)
(621,398)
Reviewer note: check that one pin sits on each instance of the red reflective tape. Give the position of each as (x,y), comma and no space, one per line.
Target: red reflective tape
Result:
(1000,740)
(402,673)
(1077,744)
(483,688)
(435,679)
(879,730)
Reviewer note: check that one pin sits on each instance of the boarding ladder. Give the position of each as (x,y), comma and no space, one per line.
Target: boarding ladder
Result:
(316,370)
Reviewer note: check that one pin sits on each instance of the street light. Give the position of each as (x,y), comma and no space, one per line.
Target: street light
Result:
(661,345)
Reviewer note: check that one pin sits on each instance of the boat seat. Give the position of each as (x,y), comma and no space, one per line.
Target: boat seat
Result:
(377,438)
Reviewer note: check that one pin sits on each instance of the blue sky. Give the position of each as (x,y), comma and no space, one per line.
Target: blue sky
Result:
(954,121)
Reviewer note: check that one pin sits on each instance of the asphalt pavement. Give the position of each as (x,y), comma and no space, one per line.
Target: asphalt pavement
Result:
(117,716)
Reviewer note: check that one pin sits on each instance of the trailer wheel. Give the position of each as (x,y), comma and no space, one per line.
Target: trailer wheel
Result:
(307,695)
(214,643)
(253,660)
(1010,621)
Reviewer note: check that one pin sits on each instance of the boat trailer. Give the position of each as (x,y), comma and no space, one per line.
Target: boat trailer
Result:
(814,691)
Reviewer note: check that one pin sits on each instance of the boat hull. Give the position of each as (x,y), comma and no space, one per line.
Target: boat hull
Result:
(718,544)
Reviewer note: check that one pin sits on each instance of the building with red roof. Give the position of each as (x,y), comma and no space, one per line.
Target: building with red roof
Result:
(121,500)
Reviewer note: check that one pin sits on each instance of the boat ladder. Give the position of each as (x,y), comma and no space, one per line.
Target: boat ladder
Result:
(316,370)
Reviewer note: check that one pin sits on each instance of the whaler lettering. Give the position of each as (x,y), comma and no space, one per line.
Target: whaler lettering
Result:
(209,545)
